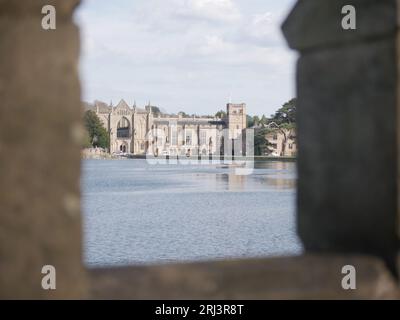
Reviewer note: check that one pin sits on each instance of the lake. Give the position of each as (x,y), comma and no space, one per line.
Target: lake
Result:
(137,213)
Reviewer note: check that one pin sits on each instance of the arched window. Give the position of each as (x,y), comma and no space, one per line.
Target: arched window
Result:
(123,128)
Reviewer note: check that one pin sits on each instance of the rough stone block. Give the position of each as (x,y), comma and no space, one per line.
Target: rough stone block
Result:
(318,24)
(40,121)
(305,277)
(30,8)
(347,162)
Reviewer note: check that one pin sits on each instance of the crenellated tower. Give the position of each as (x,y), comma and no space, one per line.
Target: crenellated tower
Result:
(236,119)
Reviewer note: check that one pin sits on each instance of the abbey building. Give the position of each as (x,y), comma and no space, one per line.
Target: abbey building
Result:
(140,131)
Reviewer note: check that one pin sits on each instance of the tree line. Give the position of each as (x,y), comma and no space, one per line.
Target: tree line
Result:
(285,115)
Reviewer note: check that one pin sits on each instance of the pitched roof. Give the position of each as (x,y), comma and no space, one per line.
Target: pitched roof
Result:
(102,107)
(123,105)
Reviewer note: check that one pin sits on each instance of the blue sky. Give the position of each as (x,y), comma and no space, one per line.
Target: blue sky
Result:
(186,55)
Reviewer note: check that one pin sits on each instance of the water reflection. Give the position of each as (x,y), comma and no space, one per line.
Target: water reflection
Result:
(278,175)
(135,213)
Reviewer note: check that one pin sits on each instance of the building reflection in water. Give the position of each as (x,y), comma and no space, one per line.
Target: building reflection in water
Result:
(272,174)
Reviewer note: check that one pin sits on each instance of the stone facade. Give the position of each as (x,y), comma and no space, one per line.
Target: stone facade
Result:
(281,143)
(140,131)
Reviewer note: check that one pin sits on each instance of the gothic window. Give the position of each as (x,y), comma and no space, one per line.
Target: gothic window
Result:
(123,123)
(210,146)
(174,137)
(203,137)
(188,137)
(123,128)
(222,146)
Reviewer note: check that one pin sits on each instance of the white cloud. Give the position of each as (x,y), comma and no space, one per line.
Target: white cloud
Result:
(213,44)
(186,54)
(262,18)
(213,10)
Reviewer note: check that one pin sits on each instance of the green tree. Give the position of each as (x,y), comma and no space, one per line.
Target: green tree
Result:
(220,114)
(250,121)
(183,114)
(260,142)
(286,114)
(86,143)
(97,134)
(155,110)
(256,120)
(263,120)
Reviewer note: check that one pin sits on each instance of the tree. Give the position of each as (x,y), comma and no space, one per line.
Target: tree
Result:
(86,143)
(250,121)
(155,110)
(183,114)
(283,121)
(220,114)
(288,131)
(260,143)
(263,120)
(286,114)
(98,135)
(256,120)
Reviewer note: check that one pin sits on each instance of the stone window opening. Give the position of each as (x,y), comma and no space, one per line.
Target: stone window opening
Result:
(123,128)
(335,233)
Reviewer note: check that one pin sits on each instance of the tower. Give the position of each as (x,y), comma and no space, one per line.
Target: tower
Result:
(236,119)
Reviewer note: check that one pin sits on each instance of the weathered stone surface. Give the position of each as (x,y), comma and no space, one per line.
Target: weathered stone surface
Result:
(31,8)
(318,24)
(347,163)
(306,277)
(40,111)
(347,169)
(347,122)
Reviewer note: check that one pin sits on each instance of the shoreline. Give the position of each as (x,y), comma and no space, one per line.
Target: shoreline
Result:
(107,156)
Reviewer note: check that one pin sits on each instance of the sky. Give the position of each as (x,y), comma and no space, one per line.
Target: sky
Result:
(186,55)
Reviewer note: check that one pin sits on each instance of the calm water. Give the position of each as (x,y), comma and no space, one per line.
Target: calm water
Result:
(135,213)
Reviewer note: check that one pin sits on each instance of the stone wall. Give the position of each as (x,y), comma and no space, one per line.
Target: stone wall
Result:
(347,129)
(347,120)
(40,132)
